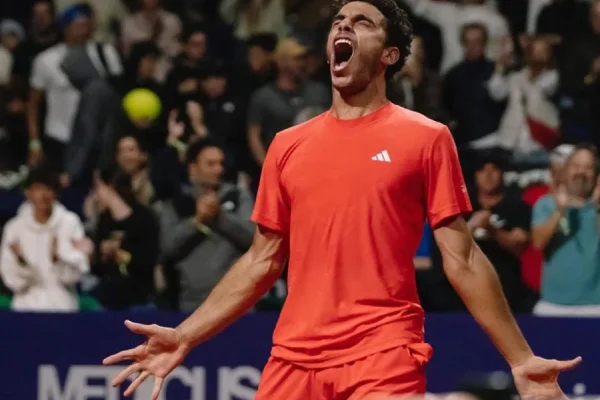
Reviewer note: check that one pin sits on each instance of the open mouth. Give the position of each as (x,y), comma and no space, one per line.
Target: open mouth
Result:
(342,53)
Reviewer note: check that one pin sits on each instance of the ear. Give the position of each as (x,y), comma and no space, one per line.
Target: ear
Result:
(390,56)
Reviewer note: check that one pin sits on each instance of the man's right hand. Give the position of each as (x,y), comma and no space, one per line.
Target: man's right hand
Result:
(162,352)
(561,197)
(207,208)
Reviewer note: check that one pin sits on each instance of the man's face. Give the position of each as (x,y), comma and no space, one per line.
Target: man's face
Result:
(195,47)
(540,54)
(41,16)
(150,5)
(41,197)
(356,46)
(80,30)
(258,58)
(208,168)
(474,44)
(129,155)
(214,86)
(580,174)
(488,179)
(293,66)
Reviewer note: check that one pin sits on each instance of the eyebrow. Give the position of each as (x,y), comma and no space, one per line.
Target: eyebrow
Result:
(357,17)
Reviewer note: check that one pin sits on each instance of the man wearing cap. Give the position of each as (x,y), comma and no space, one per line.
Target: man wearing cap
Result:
(500,225)
(274,107)
(49,80)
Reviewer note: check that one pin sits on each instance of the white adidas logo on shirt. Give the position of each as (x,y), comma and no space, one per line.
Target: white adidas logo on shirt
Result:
(383,156)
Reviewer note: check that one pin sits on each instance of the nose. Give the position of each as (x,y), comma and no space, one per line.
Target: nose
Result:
(344,25)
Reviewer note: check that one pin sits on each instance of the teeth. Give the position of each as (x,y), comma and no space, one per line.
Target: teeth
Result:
(342,41)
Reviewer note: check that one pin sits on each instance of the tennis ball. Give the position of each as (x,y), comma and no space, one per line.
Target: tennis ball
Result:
(142,105)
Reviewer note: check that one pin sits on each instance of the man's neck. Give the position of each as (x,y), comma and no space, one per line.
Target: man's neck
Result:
(359,104)
(286,83)
(42,216)
(489,200)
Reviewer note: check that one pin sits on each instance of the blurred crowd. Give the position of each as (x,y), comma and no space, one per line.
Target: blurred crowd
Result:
(132,134)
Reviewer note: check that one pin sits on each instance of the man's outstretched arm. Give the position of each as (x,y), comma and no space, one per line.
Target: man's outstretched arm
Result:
(245,283)
(474,278)
(476,282)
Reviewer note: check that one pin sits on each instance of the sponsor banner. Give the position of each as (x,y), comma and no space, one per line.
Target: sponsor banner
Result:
(59,356)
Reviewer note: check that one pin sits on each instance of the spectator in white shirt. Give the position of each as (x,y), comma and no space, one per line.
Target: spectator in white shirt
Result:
(62,99)
(153,23)
(450,17)
(108,16)
(44,252)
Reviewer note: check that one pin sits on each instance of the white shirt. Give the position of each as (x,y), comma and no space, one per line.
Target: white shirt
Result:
(6,62)
(43,285)
(451,17)
(62,98)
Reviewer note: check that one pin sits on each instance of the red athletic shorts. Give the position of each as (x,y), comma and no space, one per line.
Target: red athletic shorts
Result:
(398,371)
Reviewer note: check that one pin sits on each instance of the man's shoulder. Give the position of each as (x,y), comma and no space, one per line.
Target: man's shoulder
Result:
(546,201)
(51,53)
(417,125)
(291,136)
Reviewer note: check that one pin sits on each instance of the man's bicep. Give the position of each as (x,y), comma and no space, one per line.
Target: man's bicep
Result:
(453,238)
(270,246)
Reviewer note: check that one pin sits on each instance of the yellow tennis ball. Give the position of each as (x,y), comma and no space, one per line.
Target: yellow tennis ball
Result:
(142,105)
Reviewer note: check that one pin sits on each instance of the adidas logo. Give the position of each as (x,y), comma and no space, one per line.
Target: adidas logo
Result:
(383,156)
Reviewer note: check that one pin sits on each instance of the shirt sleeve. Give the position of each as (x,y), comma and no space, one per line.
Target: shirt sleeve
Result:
(38,75)
(271,209)
(542,210)
(445,189)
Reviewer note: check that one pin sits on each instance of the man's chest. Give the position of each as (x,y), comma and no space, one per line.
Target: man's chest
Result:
(372,171)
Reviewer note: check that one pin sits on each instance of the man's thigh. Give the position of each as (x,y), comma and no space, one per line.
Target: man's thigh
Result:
(281,380)
(399,371)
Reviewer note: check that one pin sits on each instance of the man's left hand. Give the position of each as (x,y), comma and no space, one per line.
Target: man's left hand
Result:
(537,378)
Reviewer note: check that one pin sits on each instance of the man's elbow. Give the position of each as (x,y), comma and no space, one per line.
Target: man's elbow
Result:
(263,267)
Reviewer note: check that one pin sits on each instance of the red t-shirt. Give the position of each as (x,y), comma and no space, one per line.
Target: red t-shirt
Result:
(353,195)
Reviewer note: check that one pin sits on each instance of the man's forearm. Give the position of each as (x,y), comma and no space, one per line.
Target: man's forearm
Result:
(245,283)
(478,286)
(542,233)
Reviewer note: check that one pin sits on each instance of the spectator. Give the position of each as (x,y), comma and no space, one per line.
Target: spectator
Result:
(255,16)
(62,98)
(13,134)
(500,224)
(182,82)
(132,159)
(140,67)
(127,240)
(565,228)
(206,229)
(225,117)
(579,70)
(44,251)
(108,15)
(11,34)
(452,17)
(259,69)
(274,107)
(152,23)
(418,88)
(531,260)
(466,97)
(531,87)
(42,35)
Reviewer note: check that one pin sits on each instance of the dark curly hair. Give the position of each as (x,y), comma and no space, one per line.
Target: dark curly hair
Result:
(398,28)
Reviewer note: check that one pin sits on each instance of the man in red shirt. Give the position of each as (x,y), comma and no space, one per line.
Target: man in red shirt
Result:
(344,197)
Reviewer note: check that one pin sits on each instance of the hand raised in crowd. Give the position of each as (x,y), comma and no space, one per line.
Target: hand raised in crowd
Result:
(176,128)
(85,245)
(207,207)
(480,219)
(507,52)
(561,197)
(196,114)
(35,157)
(109,249)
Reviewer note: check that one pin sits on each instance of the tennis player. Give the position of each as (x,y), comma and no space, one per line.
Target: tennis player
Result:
(344,197)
